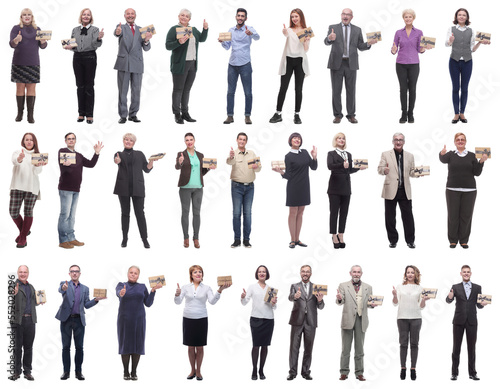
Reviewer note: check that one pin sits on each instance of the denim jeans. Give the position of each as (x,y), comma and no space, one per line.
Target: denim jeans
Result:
(242,196)
(72,326)
(460,72)
(65,227)
(245,71)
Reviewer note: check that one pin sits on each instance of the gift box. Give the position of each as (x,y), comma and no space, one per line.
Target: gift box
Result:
(270,294)
(223,279)
(224,36)
(429,292)
(278,164)
(184,31)
(357,163)
(483,150)
(425,40)
(69,42)
(65,157)
(153,281)
(375,300)
(156,157)
(40,296)
(209,162)
(43,35)
(323,289)
(304,33)
(39,157)
(484,297)
(146,29)
(100,293)
(377,35)
(480,36)
(255,161)
(420,171)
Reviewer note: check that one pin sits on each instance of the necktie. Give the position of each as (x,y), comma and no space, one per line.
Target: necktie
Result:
(133,29)
(345,41)
(467,290)
(400,168)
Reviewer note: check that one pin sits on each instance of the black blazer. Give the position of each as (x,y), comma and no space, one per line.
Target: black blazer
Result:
(139,164)
(299,306)
(340,180)
(20,304)
(186,168)
(465,310)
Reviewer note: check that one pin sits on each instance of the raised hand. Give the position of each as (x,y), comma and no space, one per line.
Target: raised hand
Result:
(297,295)
(98,147)
(205,25)
(339,296)
(247,31)
(244,294)
(21,156)
(181,158)
(118,160)
(101,33)
(231,153)
(443,152)
(452,39)
(285,31)
(16,288)
(394,292)
(314,152)
(118,30)
(65,286)
(178,290)
(123,291)
(394,48)
(332,36)
(18,38)
(386,170)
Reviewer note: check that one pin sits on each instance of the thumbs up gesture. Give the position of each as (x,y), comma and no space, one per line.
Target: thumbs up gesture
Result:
(332,36)
(394,48)
(452,39)
(346,164)
(18,38)
(451,294)
(123,291)
(297,295)
(443,152)
(178,290)
(181,158)
(247,31)
(314,152)
(65,286)
(16,288)
(339,296)
(231,153)
(205,25)
(386,170)
(101,33)
(285,30)
(21,156)
(118,160)
(394,292)
(118,30)
(244,294)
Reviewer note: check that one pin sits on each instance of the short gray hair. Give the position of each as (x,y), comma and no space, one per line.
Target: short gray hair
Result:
(353,266)
(186,11)
(410,12)
(398,134)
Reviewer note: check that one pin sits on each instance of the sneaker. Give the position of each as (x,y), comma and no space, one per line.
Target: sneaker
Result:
(247,244)
(296,119)
(236,243)
(276,118)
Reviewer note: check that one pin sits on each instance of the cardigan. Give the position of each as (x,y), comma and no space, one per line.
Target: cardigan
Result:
(185,168)
(178,57)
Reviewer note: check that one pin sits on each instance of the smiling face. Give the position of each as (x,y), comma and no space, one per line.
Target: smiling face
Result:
(262,274)
(86,17)
(410,275)
(242,141)
(340,141)
(295,19)
(184,18)
(22,274)
(346,16)
(398,142)
(408,18)
(128,143)
(133,274)
(70,141)
(465,273)
(189,141)
(460,142)
(28,142)
(26,17)
(241,18)
(74,273)
(462,17)
(356,273)
(130,16)
(197,276)
(296,142)
(305,274)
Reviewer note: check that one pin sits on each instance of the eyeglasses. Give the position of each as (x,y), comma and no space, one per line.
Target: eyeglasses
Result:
(74,271)
(343,14)
(398,140)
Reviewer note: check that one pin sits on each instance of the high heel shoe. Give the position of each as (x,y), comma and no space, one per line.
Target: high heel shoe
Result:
(342,244)
(335,245)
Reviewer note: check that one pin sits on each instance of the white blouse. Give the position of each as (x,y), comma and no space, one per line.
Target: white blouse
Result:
(260,308)
(294,48)
(24,174)
(196,300)
(409,297)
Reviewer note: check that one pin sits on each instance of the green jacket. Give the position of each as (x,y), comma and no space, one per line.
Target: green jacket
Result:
(178,58)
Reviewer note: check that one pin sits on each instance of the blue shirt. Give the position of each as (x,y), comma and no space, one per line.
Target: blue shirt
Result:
(240,41)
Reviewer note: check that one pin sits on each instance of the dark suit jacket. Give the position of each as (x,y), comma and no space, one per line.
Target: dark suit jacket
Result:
(20,304)
(356,43)
(130,48)
(340,178)
(186,168)
(465,310)
(68,296)
(299,306)
(139,164)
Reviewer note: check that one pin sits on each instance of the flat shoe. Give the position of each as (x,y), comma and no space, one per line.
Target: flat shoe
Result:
(199,378)
(299,243)
(292,245)
(190,377)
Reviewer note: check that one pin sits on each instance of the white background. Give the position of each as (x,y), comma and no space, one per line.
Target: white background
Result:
(104,263)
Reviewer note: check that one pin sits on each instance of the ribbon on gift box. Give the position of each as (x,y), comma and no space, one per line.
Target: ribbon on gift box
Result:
(306,33)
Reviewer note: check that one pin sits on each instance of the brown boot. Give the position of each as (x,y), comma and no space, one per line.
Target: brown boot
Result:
(20,108)
(30,104)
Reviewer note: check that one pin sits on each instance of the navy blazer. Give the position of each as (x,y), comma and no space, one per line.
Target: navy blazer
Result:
(68,296)
(465,310)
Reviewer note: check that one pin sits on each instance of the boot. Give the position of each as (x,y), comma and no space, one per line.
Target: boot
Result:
(19,223)
(24,232)
(30,103)
(20,108)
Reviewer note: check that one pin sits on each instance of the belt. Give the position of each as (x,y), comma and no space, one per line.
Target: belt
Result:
(243,183)
(26,314)
(74,315)
(345,58)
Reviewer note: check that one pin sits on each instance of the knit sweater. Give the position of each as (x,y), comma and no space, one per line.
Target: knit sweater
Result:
(461,170)
(409,297)
(24,174)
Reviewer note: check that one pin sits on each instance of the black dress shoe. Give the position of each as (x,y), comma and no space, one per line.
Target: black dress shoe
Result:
(126,376)
(411,245)
(254,376)
(291,244)
(454,121)
(402,374)
(464,245)
(90,121)
(291,377)
(65,376)
(199,378)
(29,377)
(342,244)
(392,245)
(453,377)
(134,119)
(474,377)
(79,376)
(296,119)
(124,242)
(276,118)
(413,374)
(179,119)
(79,120)
(411,119)
(187,117)
(190,377)
(335,245)
(262,376)
(146,244)
(464,120)
(453,245)
(122,120)
(307,376)
(236,243)
(133,377)
(14,377)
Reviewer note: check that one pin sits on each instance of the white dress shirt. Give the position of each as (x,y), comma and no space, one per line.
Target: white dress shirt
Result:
(260,308)
(196,300)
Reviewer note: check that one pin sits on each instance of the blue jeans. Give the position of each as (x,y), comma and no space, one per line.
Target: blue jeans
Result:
(72,326)
(242,196)
(245,71)
(460,73)
(65,227)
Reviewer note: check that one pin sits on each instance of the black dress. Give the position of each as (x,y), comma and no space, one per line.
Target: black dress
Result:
(298,191)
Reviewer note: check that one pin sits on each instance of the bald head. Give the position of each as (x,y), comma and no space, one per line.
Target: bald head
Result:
(346,16)
(23,273)
(130,15)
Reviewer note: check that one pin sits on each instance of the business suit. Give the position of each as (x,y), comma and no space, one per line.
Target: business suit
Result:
(353,325)
(394,194)
(465,319)
(73,324)
(130,66)
(341,68)
(304,320)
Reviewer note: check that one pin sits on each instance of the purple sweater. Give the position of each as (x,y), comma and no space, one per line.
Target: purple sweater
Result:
(71,176)
(26,51)
(408,46)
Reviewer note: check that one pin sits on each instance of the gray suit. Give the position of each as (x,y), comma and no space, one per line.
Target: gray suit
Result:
(130,66)
(344,68)
(304,320)
(353,325)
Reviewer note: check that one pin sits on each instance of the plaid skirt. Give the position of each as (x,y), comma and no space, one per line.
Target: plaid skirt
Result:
(24,74)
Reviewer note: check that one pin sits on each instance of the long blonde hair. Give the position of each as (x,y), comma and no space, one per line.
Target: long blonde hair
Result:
(32,18)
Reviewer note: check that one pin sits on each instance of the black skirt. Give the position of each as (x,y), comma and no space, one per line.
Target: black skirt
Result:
(194,331)
(262,331)
(23,74)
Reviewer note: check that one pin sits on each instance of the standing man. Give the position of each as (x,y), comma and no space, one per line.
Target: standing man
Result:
(69,189)
(23,324)
(304,320)
(130,65)
(354,296)
(397,166)
(239,64)
(465,319)
(346,39)
(71,313)
(242,178)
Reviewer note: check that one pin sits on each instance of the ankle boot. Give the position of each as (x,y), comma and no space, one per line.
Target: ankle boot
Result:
(24,232)
(30,104)
(20,107)
(19,223)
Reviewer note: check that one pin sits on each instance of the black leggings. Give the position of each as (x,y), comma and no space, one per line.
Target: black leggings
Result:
(407,76)
(293,65)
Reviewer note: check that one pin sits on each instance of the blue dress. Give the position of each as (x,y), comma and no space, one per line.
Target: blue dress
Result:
(132,317)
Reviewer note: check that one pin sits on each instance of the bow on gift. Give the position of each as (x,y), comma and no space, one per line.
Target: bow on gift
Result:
(482,36)
(40,293)
(212,162)
(375,36)
(159,280)
(185,32)
(306,33)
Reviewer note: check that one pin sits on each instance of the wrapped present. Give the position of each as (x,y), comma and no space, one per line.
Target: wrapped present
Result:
(375,300)
(43,35)
(484,297)
(40,296)
(420,171)
(153,281)
(146,29)
(39,157)
(69,42)
(270,294)
(425,40)
(429,292)
(304,33)
(102,293)
(377,35)
(483,150)
(483,36)
(223,279)
(156,157)
(184,31)
(357,163)
(208,162)
(278,164)
(224,36)
(65,157)
(255,161)
(323,289)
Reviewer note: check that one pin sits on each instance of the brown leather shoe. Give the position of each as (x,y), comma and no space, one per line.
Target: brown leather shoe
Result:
(66,245)
(343,377)
(196,243)
(352,119)
(186,243)
(360,377)
(229,120)
(76,243)
(248,120)
(337,120)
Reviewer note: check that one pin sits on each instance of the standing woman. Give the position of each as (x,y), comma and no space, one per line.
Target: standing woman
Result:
(131,323)
(189,162)
(461,39)
(88,39)
(461,189)
(410,300)
(294,60)
(298,192)
(25,186)
(195,316)
(184,64)
(261,318)
(339,188)
(130,186)
(26,62)
(407,45)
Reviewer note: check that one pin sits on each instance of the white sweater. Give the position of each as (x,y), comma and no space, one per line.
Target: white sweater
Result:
(409,297)
(24,174)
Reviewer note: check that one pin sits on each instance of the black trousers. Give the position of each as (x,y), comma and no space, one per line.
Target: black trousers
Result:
(339,207)
(293,65)
(139,215)
(182,88)
(458,335)
(24,338)
(409,329)
(407,76)
(460,209)
(406,215)
(84,66)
